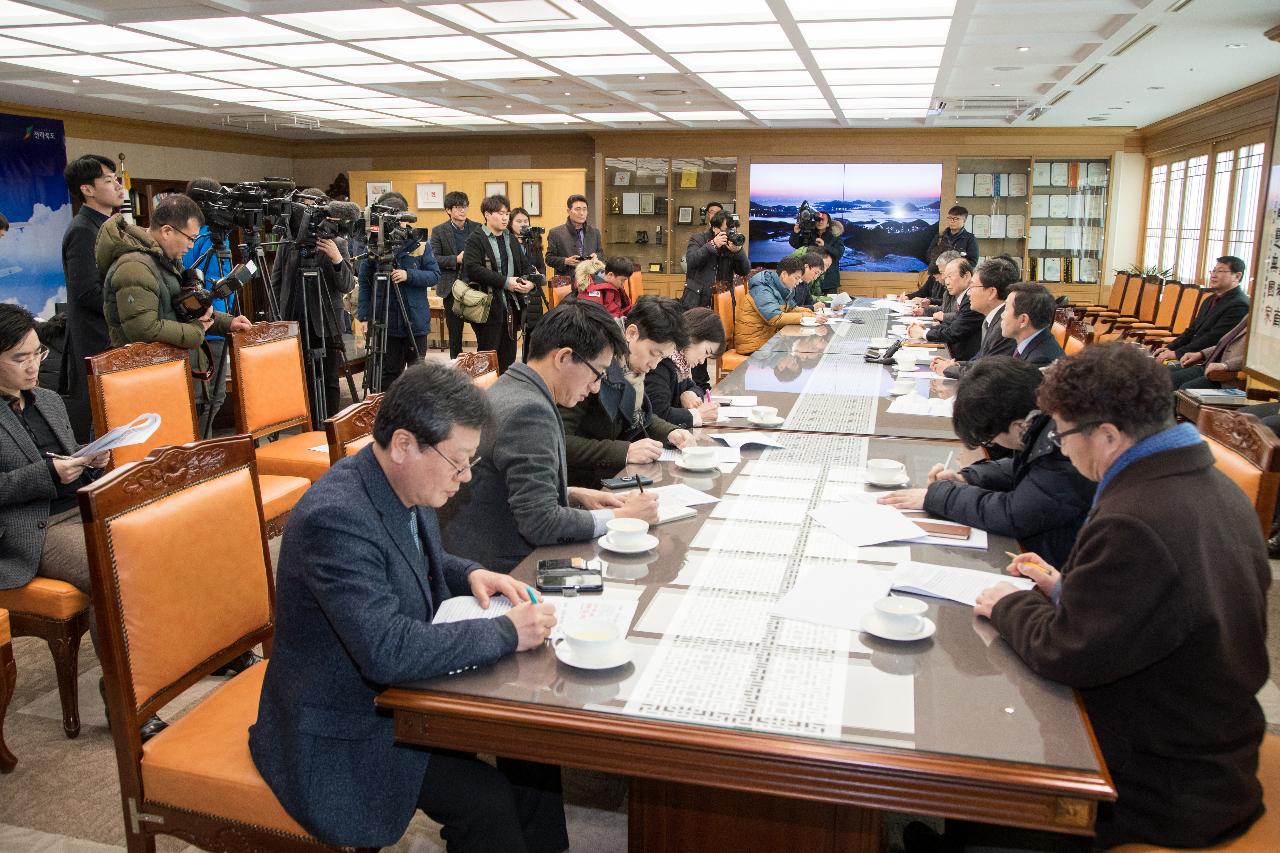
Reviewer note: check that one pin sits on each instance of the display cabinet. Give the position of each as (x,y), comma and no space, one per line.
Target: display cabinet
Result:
(1067,220)
(995,192)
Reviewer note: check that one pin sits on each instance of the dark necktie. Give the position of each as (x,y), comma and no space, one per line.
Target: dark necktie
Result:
(1017,353)
(581,248)
(502,254)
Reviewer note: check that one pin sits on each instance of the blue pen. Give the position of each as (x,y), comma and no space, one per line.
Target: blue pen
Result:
(532,595)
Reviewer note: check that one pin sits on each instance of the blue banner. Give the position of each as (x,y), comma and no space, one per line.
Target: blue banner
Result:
(34,198)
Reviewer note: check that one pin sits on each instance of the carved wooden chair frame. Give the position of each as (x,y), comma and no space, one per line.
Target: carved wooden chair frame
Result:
(1246,435)
(352,423)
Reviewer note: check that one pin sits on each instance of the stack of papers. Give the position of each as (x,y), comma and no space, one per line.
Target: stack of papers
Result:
(914,404)
(727,458)
(738,440)
(136,431)
(616,605)
(955,584)
(859,523)
(833,595)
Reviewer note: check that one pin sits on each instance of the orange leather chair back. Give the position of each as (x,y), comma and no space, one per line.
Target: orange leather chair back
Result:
(170,617)
(1170,295)
(346,430)
(1238,469)
(1118,287)
(481,366)
(724,310)
(131,380)
(1059,332)
(1248,453)
(270,385)
(1149,299)
(560,287)
(1188,307)
(635,286)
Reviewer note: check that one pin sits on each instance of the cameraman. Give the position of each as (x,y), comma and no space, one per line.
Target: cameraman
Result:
(142,275)
(203,256)
(325,315)
(825,238)
(536,299)
(414,271)
(711,257)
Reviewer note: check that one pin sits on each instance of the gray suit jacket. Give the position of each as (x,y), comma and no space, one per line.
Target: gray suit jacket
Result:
(354,602)
(518,497)
(562,242)
(26,488)
(443,249)
(993,343)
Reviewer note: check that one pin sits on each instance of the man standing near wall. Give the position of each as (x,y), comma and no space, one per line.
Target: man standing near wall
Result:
(447,241)
(573,241)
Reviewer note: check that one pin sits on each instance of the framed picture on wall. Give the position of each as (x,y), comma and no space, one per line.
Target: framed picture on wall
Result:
(495,188)
(684,216)
(646,204)
(373,189)
(431,196)
(531,197)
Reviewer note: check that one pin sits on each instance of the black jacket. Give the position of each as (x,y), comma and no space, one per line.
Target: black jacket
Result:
(335,280)
(833,245)
(482,270)
(708,264)
(1043,350)
(1215,318)
(446,255)
(963,335)
(932,290)
(993,343)
(562,242)
(1036,496)
(86,324)
(663,390)
(963,242)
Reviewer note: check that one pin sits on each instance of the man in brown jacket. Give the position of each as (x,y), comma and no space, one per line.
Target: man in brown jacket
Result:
(1158,616)
(1227,355)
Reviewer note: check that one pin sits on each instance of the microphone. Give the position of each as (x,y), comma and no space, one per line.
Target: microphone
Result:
(283,185)
(344,210)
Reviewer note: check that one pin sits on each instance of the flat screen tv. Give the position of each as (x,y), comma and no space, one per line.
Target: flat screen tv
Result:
(887,212)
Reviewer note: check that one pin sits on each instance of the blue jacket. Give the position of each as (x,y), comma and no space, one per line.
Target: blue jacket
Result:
(213,269)
(354,601)
(771,296)
(423,272)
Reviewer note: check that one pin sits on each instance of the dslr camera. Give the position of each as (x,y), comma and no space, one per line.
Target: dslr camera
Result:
(193,300)
(736,237)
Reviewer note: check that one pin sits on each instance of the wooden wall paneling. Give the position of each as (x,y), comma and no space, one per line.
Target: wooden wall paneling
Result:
(1247,109)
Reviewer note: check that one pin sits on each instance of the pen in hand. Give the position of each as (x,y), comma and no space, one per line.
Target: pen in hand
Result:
(640,483)
(533,596)
(1039,568)
(946,466)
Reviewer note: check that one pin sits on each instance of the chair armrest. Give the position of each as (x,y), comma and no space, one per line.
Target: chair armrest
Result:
(1232,378)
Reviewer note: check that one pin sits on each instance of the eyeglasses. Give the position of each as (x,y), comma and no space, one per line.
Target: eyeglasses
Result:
(41,353)
(598,374)
(1055,435)
(458,472)
(190,239)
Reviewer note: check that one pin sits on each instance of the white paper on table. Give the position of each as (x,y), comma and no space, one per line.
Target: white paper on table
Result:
(679,494)
(747,400)
(724,455)
(914,404)
(739,440)
(767,487)
(834,596)
(614,604)
(866,524)
(136,431)
(741,508)
(727,412)
(949,582)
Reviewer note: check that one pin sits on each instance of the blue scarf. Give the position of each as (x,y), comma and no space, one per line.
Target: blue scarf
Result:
(1173,438)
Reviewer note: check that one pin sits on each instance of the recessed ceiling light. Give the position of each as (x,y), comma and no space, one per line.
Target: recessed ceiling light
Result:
(908,32)
(507,107)
(1023,48)
(20,15)
(92,38)
(222,32)
(1235,46)
(373,23)
(75,81)
(435,48)
(688,102)
(641,77)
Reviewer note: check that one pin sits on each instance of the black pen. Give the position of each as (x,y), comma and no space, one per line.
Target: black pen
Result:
(640,483)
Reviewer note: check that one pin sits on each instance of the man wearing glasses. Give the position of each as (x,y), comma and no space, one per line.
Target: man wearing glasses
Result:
(519,497)
(492,260)
(92,181)
(142,273)
(955,237)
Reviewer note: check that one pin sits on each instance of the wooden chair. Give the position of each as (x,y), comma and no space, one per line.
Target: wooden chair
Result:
(1248,453)
(1188,305)
(166,621)
(723,302)
(1142,308)
(352,428)
(1262,836)
(1166,311)
(481,366)
(1079,336)
(635,286)
(58,613)
(271,395)
(1114,299)
(8,679)
(560,287)
(155,377)
(1059,332)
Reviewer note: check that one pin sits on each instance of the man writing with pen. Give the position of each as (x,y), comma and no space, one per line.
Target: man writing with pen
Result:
(1158,615)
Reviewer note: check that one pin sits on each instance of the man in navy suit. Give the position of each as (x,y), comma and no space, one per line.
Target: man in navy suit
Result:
(361,574)
(1028,314)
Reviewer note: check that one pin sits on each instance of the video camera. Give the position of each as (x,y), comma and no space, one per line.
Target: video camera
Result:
(807,219)
(385,230)
(242,205)
(193,300)
(327,220)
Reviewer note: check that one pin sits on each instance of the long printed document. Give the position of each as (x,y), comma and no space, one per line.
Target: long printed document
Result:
(962,585)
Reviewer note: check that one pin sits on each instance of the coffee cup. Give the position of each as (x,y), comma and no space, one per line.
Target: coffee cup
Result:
(698,457)
(905,356)
(591,640)
(901,614)
(808,321)
(627,532)
(764,413)
(879,343)
(885,470)
(904,385)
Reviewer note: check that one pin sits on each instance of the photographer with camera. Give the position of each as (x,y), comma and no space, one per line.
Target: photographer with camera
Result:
(414,272)
(716,254)
(329,254)
(530,237)
(143,278)
(494,262)
(817,230)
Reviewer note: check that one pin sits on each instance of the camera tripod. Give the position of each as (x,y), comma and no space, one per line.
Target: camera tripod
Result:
(315,343)
(376,332)
(218,247)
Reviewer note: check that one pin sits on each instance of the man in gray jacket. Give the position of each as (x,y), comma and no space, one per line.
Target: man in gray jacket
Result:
(518,497)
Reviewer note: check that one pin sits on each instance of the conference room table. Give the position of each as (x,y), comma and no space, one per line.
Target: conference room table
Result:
(820,381)
(741,729)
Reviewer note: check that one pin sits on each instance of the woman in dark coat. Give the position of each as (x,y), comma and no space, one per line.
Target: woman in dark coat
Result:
(670,387)
(1035,495)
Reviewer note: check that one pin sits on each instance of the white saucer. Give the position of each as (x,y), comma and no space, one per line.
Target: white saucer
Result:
(904,480)
(777,419)
(647,543)
(620,654)
(714,466)
(872,625)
